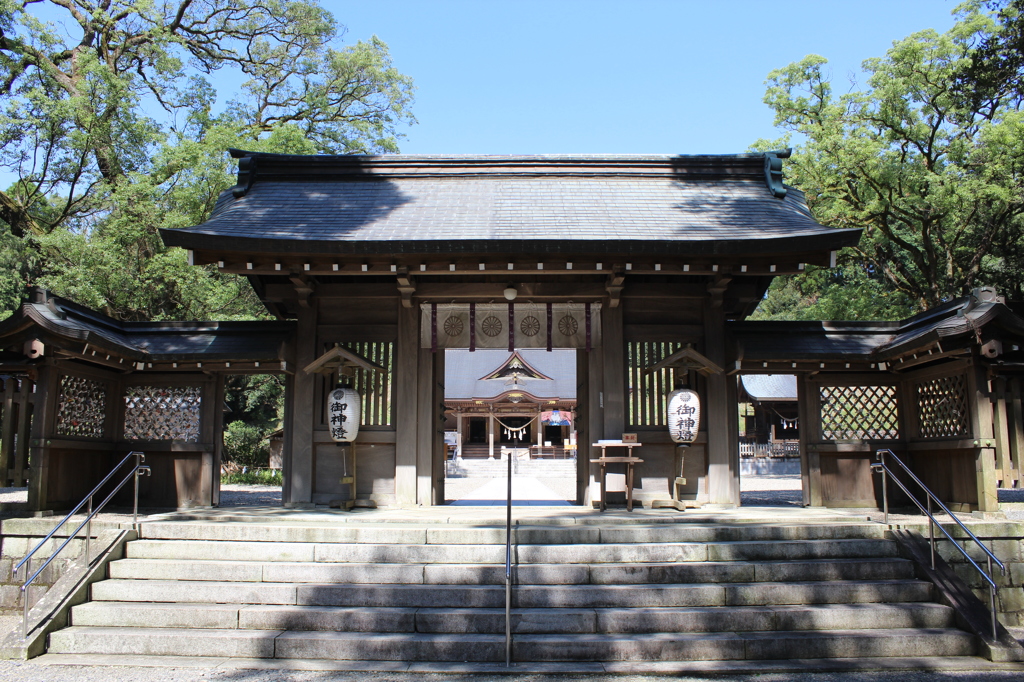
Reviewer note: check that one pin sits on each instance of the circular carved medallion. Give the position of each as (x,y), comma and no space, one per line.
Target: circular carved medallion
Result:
(453,326)
(491,326)
(530,326)
(568,325)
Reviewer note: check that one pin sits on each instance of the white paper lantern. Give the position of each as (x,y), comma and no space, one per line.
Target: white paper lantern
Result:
(683,415)
(343,414)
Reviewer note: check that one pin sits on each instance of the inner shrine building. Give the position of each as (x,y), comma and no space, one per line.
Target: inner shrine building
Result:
(629,261)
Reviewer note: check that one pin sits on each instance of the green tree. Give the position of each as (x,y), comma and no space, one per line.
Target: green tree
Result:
(107,120)
(847,292)
(997,63)
(934,178)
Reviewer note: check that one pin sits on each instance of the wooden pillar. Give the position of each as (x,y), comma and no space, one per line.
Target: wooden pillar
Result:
(984,459)
(613,354)
(458,434)
(579,424)
(304,414)
(723,446)
(1004,463)
(424,424)
(19,469)
(810,460)
(1015,415)
(286,440)
(211,425)
(591,366)
(7,428)
(406,378)
(44,414)
(438,451)
(540,427)
(490,435)
(218,439)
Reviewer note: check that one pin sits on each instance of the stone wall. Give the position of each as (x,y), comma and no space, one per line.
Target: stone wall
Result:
(1006,540)
(17,538)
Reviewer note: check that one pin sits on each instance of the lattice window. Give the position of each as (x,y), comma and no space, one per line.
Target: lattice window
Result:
(374,387)
(859,413)
(162,413)
(648,392)
(82,410)
(942,407)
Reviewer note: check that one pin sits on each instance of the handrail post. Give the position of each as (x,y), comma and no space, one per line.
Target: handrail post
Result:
(88,529)
(992,601)
(24,603)
(931,528)
(885,486)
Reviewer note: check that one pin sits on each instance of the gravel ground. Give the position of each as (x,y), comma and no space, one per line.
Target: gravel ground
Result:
(13,495)
(771,491)
(34,672)
(238,495)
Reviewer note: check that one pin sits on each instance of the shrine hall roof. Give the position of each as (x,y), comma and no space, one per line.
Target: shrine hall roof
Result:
(701,205)
(464,372)
(770,387)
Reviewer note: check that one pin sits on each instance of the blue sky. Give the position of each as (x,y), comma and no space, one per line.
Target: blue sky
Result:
(597,76)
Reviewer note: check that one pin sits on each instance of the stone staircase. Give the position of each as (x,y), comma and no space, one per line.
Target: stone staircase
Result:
(632,591)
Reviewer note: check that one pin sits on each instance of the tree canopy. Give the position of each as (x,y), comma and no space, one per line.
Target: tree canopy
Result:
(928,160)
(112,129)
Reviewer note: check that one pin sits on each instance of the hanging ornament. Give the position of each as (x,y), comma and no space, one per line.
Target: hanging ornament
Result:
(343,414)
(683,415)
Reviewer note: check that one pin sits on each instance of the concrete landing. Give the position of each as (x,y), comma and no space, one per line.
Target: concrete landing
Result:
(532,514)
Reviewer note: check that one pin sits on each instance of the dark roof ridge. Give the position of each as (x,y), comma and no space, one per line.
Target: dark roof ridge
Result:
(764,166)
(242,153)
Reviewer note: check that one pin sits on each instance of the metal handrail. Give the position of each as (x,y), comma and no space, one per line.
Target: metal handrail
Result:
(880,465)
(136,471)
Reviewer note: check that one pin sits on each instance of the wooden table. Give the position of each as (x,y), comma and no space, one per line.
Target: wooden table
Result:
(629,460)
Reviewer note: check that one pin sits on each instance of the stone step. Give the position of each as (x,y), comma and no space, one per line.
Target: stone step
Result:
(746,645)
(406,646)
(581,552)
(524,621)
(494,574)
(588,530)
(467,596)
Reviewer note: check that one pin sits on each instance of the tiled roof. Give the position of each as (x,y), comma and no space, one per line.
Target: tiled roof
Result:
(149,341)
(695,205)
(772,387)
(957,323)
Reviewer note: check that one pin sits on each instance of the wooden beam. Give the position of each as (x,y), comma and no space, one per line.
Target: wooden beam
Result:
(263,264)
(528,291)
(98,357)
(305,287)
(614,287)
(406,287)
